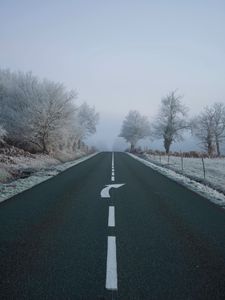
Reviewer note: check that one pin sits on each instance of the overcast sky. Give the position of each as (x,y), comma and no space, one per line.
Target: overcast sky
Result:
(119,55)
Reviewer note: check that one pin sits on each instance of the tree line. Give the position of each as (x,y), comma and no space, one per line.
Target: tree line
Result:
(172,121)
(42,115)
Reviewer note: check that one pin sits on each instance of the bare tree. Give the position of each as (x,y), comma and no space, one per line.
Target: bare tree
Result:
(209,127)
(42,115)
(171,120)
(3,134)
(84,124)
(218,124)
(52,115)
(34,112)
(87,120)
(16,97)
(202,128)
(135,127)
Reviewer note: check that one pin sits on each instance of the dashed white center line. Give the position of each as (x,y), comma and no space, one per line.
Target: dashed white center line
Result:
(111,219)
(111,265)
(113,169)
(113,159)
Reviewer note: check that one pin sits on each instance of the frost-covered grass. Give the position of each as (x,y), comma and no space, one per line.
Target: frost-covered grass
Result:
(193,167)
(4,174)
(13,166)
(36,162)
(45,169)
(200,188)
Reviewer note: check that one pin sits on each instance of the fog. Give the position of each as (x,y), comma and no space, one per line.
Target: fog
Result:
(107,139)
(120,55)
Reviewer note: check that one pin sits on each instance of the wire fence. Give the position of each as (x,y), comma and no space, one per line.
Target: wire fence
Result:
(208,170)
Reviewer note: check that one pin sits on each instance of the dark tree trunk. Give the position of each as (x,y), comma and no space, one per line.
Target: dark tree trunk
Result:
(44,146)
(210,149)
(167,144)
(74,146)
(131,147)
(44,150)
(218,147)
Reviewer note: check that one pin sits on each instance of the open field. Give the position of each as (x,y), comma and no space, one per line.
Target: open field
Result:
(193,167)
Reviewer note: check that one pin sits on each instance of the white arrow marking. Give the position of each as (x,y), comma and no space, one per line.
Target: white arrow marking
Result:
(105,191)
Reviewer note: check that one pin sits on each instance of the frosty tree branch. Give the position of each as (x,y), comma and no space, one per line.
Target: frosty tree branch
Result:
(171,120)
(135,127)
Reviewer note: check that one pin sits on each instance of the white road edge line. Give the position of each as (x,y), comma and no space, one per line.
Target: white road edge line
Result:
(111,219)
(111,265)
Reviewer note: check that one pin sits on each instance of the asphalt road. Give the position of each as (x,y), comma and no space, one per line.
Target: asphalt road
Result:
(152,239)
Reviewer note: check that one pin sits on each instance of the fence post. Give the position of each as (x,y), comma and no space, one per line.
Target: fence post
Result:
(203,165)
(182,162)
(160,159)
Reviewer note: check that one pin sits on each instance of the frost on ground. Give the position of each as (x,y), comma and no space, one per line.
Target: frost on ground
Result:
(16,163)
(200,188)
(29,170)
(193,168)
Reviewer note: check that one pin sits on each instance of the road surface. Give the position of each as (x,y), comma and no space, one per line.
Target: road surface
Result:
(111,228)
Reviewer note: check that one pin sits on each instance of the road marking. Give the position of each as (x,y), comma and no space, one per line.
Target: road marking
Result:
(112,159)
(113,169)
(111,265)
(111,219)
(105,190)
(113,176)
